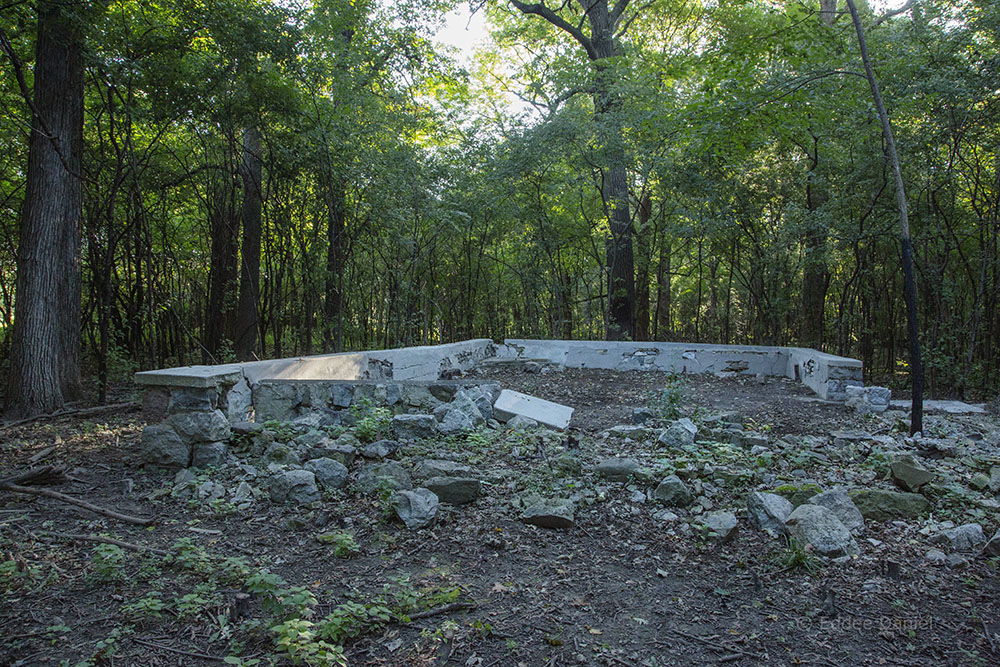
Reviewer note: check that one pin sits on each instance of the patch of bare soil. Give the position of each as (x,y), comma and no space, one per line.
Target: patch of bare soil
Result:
(626,585)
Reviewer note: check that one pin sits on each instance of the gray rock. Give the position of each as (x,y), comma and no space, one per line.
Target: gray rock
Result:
(330,474)
(184,476)
(567,464)
(205,454)
(995,479)
(936,557)
(549,513)
(818,526)
(281,453)
(768,511)
(678,434)
(521,423)
(380,449)
(342,453)
(617,470)
(454,490)
(910,475)
(992,547)
(838,502)
(162,447)
(243,428)
(341,395)
(463,414)
(294,486)
(389,474)
(867,400)
(980,481)
(673,492)
(456,421)
(414,427)
(417,508)
(243,493)
(312,437)
(880,505)
(237,402)
(721,526)
(642,415)
(440,468)
(962,538)
(191,399)
(201,426)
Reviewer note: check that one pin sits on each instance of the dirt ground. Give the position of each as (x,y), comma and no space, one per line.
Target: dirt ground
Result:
(624,586)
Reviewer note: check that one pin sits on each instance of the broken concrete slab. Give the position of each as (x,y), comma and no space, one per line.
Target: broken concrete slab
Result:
(946,407)
(513,403)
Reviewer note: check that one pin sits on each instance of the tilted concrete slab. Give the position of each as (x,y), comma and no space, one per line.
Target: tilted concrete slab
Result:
(946,407)
(512,403)
(201,377)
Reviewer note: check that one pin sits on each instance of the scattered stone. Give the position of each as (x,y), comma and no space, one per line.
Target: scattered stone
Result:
(205,454)
(521,423)
(414,427)
(666,516)
(548,513)
(281,454)
(838,502)
(246,428)
(798,494)
(956,561)
(440,468)
(880,505)
(637,497)
(936,557)
(454,490)
(721,526)
(817,526)
(962,538)
(390,474)
(184,476)
(642,415)
(380,449)
(992,547)
(567,464)
(617,470)
(994,484)
(243,493)
(512,403)
(910,475)
(769,511)
(330,474)
(673,492)
(979,481)
(679,434)
(162,447)
(294,486)
(417,508)
(344,453)
(936,447)
(753,440)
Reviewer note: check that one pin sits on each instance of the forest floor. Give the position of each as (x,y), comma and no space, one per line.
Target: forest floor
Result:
(629,584)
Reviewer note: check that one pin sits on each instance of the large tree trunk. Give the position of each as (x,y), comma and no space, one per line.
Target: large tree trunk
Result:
(642,270)
(45,353)
(224,223)
(815,275)
(245,334)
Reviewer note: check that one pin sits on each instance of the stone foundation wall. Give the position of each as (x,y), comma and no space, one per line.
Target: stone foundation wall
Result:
(191,408)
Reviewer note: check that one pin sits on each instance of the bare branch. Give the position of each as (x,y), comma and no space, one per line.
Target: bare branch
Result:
(539,9)
(895,12)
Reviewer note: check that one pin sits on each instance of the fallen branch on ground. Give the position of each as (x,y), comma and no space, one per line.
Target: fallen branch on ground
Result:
(77,412)
(443,609)
(106,540)
(43,475)
(15,488)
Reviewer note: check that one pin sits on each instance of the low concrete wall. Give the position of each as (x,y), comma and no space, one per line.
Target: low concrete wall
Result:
(231,388)
(825,374)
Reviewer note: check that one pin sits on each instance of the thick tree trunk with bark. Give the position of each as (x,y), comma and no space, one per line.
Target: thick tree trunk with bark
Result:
(602,47)
(247,320)
(224,223)
(642,270)
(45,354)
(336,262)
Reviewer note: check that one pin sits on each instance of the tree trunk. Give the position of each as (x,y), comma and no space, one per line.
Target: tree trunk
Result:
(222,271)
(642,271)
(247,318)
(663,331)
(45,352)
(906,250)
(336,259)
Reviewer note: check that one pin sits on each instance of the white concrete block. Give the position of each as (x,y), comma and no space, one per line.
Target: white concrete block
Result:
(512,403)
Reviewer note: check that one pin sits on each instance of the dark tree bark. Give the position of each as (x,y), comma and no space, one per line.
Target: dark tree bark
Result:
(247,319)
(906,249)
(602,47)
(815,274)
(222,278)
(663,315)
(642,270)
(45,352)
(336,261)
